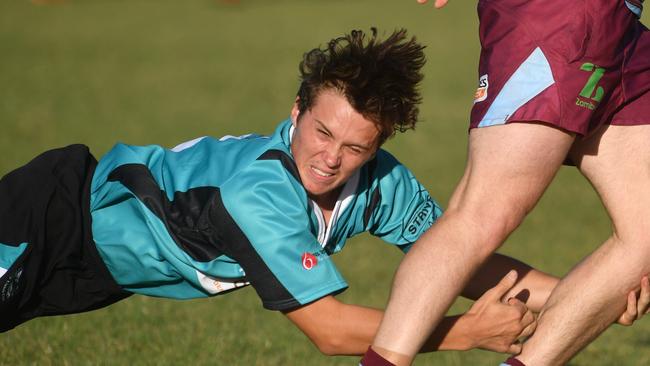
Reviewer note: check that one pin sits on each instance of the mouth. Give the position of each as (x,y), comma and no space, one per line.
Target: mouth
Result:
(320,173)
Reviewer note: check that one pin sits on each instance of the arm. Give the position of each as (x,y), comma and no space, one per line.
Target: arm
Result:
(534,287)
(337,328)
(341,329)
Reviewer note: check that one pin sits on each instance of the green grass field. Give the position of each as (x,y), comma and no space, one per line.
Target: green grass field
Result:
(163,72)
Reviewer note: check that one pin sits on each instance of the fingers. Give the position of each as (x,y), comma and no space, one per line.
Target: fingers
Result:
(642,306)
(636,307)
(515,302)
(515,348)
(503,286)
(440,3)
(528,320)
(528,323)
(531,320)
(630,314)
(506,324)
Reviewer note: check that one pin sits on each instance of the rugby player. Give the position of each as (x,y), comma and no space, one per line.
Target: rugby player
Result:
(213,215)
(558,82)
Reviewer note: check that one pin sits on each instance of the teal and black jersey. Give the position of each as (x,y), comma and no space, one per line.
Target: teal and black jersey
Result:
(212,215)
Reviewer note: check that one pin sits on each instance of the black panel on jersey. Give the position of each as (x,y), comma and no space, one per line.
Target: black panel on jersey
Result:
(186,217)
(375,197)
(199,223)
(237,246)
(285,159)
(374,201)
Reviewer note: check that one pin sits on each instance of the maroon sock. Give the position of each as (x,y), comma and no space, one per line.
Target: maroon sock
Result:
(372,358)
(513,362)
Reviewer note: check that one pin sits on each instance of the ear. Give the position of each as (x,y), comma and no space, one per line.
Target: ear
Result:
(295,112)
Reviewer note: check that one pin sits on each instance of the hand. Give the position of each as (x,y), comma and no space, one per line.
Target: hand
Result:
(496,325)
(438,4)
(636,309)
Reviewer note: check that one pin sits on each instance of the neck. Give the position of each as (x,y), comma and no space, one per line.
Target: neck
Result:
(326,203)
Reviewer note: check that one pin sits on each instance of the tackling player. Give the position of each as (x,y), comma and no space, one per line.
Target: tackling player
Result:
(213,215)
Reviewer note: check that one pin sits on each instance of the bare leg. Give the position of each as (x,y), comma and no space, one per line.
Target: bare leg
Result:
(617,162)
(508,169)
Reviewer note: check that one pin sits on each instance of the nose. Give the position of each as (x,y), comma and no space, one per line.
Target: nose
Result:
(332,156)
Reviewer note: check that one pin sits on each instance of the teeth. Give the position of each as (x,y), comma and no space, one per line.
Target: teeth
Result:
(320,172)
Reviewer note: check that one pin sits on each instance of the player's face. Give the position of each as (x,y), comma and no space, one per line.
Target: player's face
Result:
(330,143)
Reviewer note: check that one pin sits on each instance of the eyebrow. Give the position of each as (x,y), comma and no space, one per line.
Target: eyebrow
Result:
(322,125)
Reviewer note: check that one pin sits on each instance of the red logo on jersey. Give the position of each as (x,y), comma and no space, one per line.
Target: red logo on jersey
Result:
(309,261)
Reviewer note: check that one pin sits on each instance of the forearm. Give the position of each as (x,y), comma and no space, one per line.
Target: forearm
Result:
(359,325)
(354,331)
(337,328)
(452,334)
(342,329)
(533,287)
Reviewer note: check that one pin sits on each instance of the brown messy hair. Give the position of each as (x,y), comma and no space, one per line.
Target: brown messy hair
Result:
(378,78)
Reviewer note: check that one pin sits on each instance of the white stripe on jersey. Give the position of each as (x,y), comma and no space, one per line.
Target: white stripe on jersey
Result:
(342,202)
(229,137)
(345,197)
(214,286)
(187,144)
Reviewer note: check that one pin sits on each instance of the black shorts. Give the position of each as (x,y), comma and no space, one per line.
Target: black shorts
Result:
(44,208)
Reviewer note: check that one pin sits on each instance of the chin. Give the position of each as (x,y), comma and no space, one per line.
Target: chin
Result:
(318,192)
(315,192)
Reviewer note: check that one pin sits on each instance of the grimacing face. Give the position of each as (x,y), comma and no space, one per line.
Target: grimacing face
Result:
(330,143)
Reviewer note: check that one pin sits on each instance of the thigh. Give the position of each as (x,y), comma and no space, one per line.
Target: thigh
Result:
(635,85)
(616,160)
(508,169)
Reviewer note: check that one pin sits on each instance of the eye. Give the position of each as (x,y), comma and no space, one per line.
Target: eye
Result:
(322,133)
(355,150)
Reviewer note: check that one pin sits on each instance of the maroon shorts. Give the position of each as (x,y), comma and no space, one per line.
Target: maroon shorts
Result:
(572,64)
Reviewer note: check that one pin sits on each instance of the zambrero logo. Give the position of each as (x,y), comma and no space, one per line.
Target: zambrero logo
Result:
(591,94)
(309,261)
(482,91)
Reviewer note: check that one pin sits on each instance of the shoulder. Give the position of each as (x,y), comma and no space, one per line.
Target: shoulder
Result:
(267,185)
(385,169)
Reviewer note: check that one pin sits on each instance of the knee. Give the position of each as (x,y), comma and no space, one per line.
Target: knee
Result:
(634,240)
(632,252)
(491,224)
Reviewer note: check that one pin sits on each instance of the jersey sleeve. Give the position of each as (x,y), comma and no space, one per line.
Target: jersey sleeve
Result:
(275,246)
(405,210)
